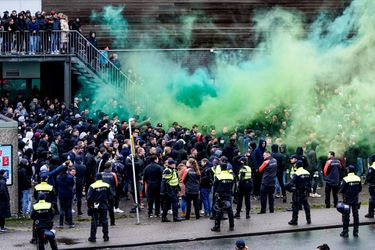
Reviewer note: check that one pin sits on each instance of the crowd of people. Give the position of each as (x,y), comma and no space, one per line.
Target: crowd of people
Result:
(67,149)
(40,32)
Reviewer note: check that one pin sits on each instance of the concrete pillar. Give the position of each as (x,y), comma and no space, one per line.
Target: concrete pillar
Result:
(8,136)
(67,82)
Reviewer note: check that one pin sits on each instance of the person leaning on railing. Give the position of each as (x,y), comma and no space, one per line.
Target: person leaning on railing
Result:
(33,28)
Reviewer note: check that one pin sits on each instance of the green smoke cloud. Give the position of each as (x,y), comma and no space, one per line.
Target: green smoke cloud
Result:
(322,75)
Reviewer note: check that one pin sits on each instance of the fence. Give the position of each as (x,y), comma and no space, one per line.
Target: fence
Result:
(43,43)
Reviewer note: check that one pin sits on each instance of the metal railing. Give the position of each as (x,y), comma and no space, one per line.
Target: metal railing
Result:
(66,42)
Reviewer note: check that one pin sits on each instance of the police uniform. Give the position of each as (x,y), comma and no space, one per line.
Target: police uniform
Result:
(244,190)
(223,186)
(42,215)
(300,185)
(370,179)
(350,188)
(43,188)
(46,189)
(169,191)
(97,200)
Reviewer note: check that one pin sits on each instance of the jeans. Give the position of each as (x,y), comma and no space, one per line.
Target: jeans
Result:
(26,202)
(65,210)
(55,37)
(183,204)
(205,197)
(34,44)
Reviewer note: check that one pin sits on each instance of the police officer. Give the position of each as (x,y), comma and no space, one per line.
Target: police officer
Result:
(350,188)
(370,179)
(293,160)
(169,190)
(223,187)
(110,178)
(42,214)
(43,188)
(300,186)
(245,185)
(97,201)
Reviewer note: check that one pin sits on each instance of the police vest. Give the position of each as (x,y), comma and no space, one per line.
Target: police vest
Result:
(247,171)
(100,185)
(303,173)
(44,186)
(352,179)
(225,176)
(170,176)
(42,206)
(293,170)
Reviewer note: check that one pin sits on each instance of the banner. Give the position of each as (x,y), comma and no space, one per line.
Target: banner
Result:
(6,162)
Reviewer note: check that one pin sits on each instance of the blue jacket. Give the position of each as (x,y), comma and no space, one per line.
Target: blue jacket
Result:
(65,183)
(33,26)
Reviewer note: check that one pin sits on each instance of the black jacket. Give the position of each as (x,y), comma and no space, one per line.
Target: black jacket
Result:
(269,169)
(191,182)
(4,199)
(153,175)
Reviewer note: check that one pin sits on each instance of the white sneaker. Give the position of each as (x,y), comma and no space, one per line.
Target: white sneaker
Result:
(117,210)
(73,211)
(311,195)
(170,212)
(317,195)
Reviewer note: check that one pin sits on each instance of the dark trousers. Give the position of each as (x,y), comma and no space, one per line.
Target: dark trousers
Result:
(280,178)
(334,189)
(169,201)
(118,195)
(2,222)
(244,191)
(189,199)
(219,216)
(346,218)
(371,204)
(79,190)
(267,191)
(257,183)
(153,197)
(99,216)
(297,201)
(40,240)
(111,204)
(66,210)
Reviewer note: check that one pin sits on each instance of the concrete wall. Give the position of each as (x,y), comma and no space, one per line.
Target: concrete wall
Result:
(8,135)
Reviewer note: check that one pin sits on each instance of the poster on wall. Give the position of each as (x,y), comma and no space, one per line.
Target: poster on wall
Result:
(6,161)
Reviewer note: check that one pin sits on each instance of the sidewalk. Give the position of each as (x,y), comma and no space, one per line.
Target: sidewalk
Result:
(152,231)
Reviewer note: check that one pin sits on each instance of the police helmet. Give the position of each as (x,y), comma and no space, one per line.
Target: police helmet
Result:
(343,208)
(49,234)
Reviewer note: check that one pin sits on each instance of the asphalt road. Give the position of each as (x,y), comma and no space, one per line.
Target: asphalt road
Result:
(289,241)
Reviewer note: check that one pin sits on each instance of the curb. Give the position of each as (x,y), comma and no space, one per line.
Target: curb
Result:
(292,230)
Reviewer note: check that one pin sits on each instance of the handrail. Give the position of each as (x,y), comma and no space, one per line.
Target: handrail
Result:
(25,43)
